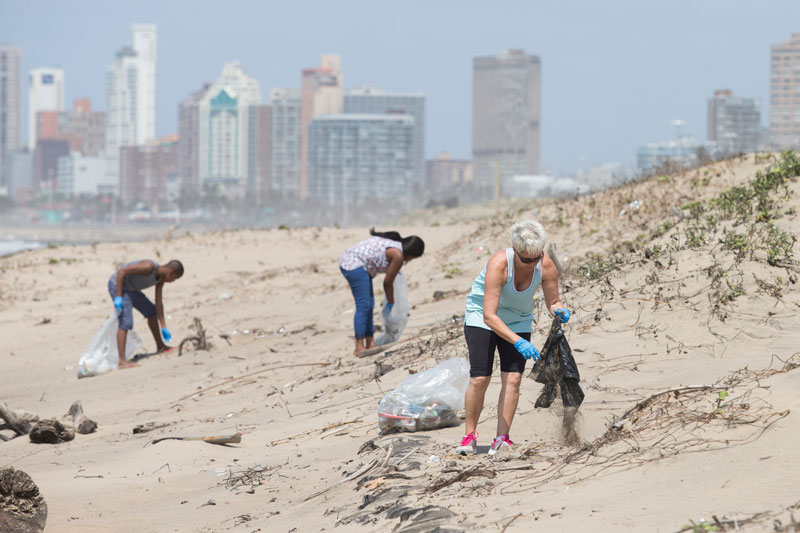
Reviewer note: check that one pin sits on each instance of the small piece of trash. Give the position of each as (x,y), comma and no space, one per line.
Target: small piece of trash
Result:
(281,330)
(433,459)
(349,311)
(209,502)
(246,331)
(480,249)
(636,204)
(622,212)
(290,384)
(225,296)
(229,415)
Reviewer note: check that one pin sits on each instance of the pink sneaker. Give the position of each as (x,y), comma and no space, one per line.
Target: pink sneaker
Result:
(469,444)
(500,442)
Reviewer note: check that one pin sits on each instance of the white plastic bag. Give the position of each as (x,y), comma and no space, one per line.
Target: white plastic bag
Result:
(101,355)
(394,322)
(427,400)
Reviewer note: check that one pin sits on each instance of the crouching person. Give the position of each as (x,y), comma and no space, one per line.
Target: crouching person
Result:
(125,287)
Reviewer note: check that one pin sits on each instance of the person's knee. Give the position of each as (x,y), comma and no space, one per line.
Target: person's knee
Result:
(513,380)
(480,382)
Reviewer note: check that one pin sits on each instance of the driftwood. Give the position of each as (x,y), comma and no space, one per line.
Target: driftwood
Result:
(22,507)
(235,438)
(199,340)
(12,421)
(378,349)
(78,420)
(462,476)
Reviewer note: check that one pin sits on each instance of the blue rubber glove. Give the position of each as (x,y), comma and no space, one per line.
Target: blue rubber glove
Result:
(166,335)
(527,349)
(389,306)
(118,303)
(563,314)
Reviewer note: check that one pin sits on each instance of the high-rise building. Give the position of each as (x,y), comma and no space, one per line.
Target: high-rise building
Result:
(19,175)
(784,99)
(224,145)
(505,116)
(10,101)
(189,141)
(358,157)
(145,169)
(260,153)
(82,128)
(131,96)
(285,178)
(371,101)
(320,94)
(46,93)
(734,123)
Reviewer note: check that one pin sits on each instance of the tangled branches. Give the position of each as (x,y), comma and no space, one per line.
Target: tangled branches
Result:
(672,422)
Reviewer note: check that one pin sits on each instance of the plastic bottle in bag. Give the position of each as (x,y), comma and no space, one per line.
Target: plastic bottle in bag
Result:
(427,400)
(101,355)
(394,321)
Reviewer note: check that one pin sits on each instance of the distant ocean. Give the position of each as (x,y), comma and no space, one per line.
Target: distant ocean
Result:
(14,246)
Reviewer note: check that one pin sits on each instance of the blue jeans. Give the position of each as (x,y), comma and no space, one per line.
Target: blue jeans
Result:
(361,287)
(131,300)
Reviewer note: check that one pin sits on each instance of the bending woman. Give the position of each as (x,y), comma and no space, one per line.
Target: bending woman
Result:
(499,315)
(382,252)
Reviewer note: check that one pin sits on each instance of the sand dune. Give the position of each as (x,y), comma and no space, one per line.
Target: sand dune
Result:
(685,322)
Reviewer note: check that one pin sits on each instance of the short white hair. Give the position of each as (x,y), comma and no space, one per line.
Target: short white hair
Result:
(528,236)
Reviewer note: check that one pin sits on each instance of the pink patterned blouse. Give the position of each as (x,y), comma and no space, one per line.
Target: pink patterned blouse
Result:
(370,254)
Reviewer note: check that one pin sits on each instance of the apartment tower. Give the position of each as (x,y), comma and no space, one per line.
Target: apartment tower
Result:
(784,96)
(505,117)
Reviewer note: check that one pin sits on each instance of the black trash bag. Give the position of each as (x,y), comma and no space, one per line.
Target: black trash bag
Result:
(557,370)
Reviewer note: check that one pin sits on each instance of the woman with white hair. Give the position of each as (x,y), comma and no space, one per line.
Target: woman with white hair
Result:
(499,315)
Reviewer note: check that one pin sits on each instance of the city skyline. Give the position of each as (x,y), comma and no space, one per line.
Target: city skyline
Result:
(601,97)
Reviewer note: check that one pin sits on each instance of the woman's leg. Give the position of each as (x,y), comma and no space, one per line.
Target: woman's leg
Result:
(361,287)
(507,402)
(369,340)
(512,366)
(481,344)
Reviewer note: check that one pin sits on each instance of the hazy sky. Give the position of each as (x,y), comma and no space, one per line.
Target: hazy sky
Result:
(614,73)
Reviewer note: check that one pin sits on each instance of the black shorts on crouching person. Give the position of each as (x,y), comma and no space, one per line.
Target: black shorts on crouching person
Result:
(481,344)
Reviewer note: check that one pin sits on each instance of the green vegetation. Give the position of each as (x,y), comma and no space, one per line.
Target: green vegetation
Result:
(595,267)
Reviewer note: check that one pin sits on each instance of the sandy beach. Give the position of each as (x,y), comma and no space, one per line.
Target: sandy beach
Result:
(686,340)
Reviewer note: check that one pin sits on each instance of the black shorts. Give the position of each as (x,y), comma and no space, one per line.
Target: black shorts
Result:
(481,344)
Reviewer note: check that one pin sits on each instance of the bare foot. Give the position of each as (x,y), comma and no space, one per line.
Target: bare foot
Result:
(127,364)
(165,349)
(372,345)
(358,351)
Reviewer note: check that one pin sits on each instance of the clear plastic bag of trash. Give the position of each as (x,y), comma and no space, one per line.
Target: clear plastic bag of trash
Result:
(394,321)
(101,355)
(427,400)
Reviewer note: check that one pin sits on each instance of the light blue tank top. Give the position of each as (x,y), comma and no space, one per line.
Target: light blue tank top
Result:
(515,307)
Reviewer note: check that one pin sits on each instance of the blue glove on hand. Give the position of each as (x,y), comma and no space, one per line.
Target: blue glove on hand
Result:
(563,314)
(389,306)
(118,303)
(166,335)
(527,349)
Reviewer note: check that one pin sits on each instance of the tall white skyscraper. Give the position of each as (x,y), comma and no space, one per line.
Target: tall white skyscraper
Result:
(10,102)
(131,97)
(224,125)
(46,93)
